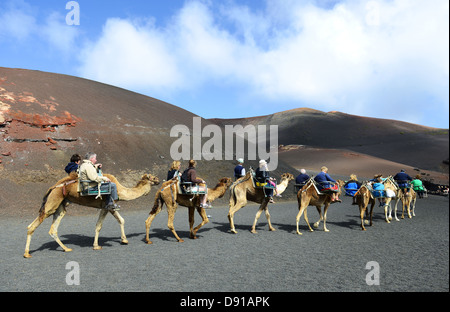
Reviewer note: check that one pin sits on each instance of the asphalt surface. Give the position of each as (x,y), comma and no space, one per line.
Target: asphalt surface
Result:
(412,255)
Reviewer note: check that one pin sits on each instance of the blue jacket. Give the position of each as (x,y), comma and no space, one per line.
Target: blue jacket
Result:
(301,178)
(402,176)
(351,187)
(71,167)
(238,171)
(323,177)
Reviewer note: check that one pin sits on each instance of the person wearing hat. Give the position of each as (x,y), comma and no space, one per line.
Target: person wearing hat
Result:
(239,170)
(262,176)
(402,179)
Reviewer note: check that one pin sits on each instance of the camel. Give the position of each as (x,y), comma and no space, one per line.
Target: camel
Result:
(309,195)
(363,199)
(66,190)
(389,184)
(407,198)
(243,190)
(169,195)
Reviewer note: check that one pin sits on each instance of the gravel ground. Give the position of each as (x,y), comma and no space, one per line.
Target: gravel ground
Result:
(413,254)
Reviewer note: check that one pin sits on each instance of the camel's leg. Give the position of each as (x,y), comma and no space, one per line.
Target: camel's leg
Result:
(413,209)
(201,211)
(371,212)
(319,210)
(57,216)
(191,211)
(307,221)
(258,214)
(386,213)
(271,228)
(149,221)
(231,212)
(121,221)
(171,211)
(30,230)
(325,209)
(299,215)
(395,209)
(98,227)
(408,206)
(362,211)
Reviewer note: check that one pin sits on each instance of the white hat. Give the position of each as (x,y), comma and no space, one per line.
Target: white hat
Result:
(240,160)
(262,162)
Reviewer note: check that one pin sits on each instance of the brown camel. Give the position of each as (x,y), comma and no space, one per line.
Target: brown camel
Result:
(169,195)
(309,195)
(243,190)
(66,190)
(363,199)
(408,198)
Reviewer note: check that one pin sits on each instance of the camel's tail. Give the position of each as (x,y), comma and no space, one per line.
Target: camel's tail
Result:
(232,195)
(158,203)
(42,209)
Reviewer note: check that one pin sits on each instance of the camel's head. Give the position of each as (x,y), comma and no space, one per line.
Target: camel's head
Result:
(226,181)
(223,182)
(151,178)
(287,176)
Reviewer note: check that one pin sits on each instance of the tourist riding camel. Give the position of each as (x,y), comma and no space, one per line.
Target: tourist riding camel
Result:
(190,175)
(351,187)
(74,163)
(239,170)
(309,195)
(324,179)
(66,191)
(92,181)
(244,190)
(403,179)
(171,195)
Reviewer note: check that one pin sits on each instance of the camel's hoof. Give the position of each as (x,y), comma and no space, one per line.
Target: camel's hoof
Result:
(27,255)
(67,250)
(193,237)
(316,225)
(233,231)
(273,229)
(364,229)
(181,241)
(299,233)
(253,231)
(326,230)
(97,248)
(125,242)
(149,242)
(390,218)
(366,222)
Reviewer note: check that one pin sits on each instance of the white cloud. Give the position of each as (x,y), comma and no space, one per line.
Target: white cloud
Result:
(352,56)
(131,56)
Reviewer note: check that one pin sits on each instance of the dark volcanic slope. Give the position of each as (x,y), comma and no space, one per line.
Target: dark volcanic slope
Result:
(46,117)
(401,142)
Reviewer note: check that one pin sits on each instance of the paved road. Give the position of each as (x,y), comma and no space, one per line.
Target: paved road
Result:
(413,255)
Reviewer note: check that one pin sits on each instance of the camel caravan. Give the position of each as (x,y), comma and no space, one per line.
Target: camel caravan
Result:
(86,185)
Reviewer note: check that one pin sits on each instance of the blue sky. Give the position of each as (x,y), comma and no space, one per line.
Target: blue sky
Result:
(242,58)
